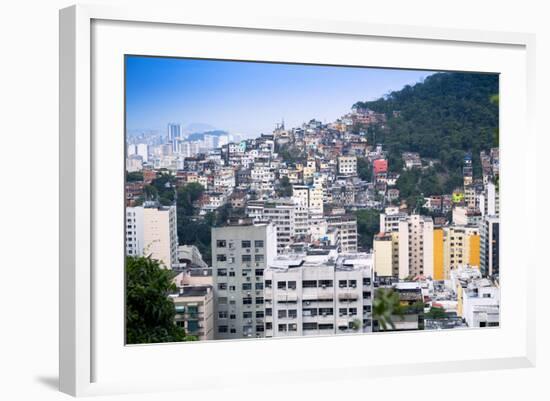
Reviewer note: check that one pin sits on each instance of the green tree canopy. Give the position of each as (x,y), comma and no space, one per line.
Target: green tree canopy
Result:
(368,224)
(149,312)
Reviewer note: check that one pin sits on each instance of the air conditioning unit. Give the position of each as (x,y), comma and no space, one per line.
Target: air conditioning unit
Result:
(323,286)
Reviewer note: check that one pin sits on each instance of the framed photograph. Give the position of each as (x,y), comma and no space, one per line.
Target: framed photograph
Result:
(290,199)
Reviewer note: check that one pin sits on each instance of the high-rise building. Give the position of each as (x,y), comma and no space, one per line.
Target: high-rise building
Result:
(416,246)
(240,253)
(346,224)
(489,246)
(174,134)
(152,231)
(142,149)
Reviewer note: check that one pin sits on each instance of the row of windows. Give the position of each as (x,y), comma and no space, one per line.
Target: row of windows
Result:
(315,284)
(222,257)
(244,272)
(221,243)
(244,287)
(246,315)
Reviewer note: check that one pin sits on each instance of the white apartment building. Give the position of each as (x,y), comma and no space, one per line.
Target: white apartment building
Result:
(142,149)
(240,253)
(389,221)
(416,246)
(318,293)
(152,231)
(290,219)
(346,225)
(481,304)
(347,165)
(489,200)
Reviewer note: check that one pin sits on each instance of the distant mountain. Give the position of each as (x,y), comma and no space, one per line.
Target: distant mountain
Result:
(198,127)
(198,136)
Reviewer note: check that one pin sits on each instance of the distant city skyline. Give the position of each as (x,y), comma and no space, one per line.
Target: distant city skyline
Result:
(248,98)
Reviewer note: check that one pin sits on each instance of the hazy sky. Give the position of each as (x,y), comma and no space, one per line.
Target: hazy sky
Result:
(247,97)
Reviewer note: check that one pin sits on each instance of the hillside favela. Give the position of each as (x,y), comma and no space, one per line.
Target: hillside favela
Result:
(384,218)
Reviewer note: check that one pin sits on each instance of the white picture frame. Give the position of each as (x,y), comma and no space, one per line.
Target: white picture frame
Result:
(84,330)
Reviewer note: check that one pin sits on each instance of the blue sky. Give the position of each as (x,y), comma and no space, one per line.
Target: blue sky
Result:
(247,97)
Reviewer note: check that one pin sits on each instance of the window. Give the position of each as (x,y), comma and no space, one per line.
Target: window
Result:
(221,243)
(292,327)
(258,244)
(259,286)
(222,301)
(368,308)
(327,326)
(307,312)
(221,257)
(268,325)
(259,258)
(245,244)
(309,284)
(246,272)
(269,312)
(342,283)
(281,285)
(282,327)
(292,313)
(246,258)
(247,315)
(232,316)
(233,330)
(232,288)
(259,272)
(292,285)
(367,295)
(259,301)
(353,283)
(325,283)
(281,314)
(342,311)
(247,301)
(352,311)
(222,272)
(247,286)
(222,286)
(222,329)
(259,314)
(309,326)
(231,274)
(326,311)
(267,283)
(222,314)
(260,327)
